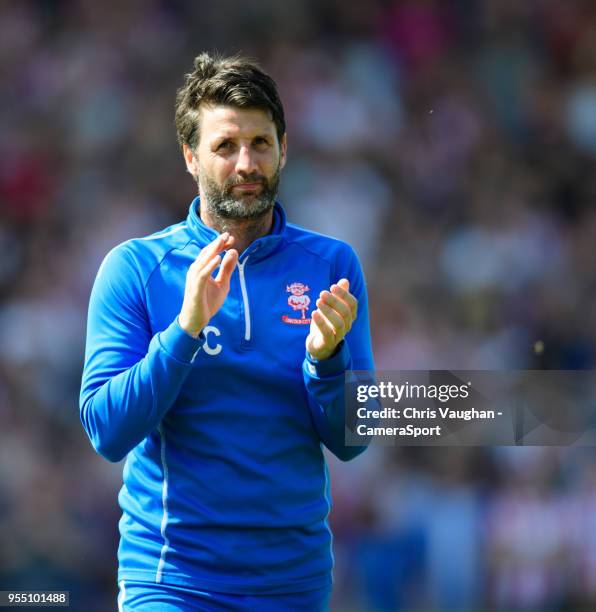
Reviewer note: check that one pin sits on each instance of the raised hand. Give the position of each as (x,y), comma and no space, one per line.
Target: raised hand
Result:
(203,294)
(331,321)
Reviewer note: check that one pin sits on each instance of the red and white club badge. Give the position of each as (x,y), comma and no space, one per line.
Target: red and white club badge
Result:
(298,300)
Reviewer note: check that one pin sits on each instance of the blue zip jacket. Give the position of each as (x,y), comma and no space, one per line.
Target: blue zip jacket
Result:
(225,482)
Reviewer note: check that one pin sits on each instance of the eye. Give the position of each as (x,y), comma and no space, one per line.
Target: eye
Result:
(226,145)
(261,142)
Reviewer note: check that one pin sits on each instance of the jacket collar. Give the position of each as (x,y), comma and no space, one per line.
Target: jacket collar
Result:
(259,249)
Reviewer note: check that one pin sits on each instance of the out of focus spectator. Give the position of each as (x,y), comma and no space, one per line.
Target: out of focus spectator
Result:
(455,141)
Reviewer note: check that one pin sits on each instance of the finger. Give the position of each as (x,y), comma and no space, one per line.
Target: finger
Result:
(323,326)
(352,302)
(227,267)
(344,283)
(334,318)
(208,268)
(337,304)
(346,297)
(214,247)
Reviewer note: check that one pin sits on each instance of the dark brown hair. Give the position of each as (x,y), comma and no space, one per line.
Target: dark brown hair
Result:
(233,81)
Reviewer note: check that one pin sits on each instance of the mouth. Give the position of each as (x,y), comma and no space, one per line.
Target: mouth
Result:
(248,186)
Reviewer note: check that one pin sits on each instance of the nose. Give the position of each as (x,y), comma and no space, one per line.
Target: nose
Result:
(246,161)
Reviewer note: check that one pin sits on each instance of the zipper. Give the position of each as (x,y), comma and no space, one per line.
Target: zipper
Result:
(241,265)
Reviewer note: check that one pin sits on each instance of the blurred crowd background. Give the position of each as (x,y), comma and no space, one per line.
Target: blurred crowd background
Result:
(452,142)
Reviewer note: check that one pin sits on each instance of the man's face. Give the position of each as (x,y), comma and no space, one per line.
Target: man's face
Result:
(237,162)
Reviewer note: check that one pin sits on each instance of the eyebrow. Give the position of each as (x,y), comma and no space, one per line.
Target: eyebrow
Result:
(223,137)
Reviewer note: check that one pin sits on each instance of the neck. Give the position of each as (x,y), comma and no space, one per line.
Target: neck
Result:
(245,231)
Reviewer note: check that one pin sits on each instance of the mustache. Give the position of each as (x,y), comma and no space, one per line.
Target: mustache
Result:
(250,178)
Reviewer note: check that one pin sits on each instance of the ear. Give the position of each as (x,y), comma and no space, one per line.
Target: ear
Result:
(283,146)
(192,161)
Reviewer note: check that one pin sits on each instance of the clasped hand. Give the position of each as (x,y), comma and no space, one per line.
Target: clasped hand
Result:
(204,295)
(332,320)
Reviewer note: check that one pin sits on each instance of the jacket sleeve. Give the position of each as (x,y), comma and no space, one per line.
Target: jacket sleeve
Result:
(130,379)
(325,380)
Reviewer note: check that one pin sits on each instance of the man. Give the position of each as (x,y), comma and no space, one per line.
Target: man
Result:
(215,360)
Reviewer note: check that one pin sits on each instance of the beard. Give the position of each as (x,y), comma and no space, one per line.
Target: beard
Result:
(220,200)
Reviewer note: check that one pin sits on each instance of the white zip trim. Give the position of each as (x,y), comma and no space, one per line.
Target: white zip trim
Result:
(173,231)
(176,229)
(121,596)
(241,265)
(164,501)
